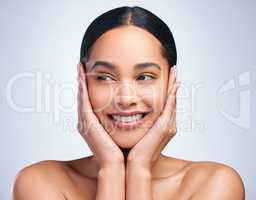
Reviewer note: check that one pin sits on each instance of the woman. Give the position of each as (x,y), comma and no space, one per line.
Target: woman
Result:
(127,121)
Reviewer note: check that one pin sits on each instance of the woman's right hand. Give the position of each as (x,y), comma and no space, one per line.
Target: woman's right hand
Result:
(106,152)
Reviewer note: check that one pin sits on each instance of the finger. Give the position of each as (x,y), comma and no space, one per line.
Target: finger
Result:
(86,106)
(81,122)
(169,112)
(164,142)
(170,105)
(171,79)
(168,118)
(170,134)
(166,139)
(173,85)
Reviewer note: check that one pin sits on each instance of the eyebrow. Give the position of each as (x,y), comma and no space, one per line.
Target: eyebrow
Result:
(113,67)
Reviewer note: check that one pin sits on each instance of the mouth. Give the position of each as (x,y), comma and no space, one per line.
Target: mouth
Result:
(128,121)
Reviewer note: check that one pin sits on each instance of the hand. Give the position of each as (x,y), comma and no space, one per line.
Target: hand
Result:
(106,152)
(146,152)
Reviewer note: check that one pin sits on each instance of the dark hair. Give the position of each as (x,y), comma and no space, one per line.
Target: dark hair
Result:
(123,16)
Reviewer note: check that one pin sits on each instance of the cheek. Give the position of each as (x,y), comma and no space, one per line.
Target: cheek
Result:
(159,99)
(153,95)
(100,96)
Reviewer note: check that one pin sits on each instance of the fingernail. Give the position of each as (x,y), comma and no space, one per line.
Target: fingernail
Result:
(173,68)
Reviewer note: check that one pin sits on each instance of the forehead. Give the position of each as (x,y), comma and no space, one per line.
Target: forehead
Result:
(126,46)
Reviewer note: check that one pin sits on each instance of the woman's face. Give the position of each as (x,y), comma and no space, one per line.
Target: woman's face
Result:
(120,81)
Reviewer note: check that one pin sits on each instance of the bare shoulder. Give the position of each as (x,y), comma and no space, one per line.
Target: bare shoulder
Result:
(213,180)
(36,180)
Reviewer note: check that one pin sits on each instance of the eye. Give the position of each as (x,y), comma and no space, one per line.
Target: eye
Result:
(150,77)
(103,78)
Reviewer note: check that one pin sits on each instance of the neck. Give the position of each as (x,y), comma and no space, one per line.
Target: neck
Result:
(125,153)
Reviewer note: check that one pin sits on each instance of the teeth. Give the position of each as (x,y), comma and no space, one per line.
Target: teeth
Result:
(127,118)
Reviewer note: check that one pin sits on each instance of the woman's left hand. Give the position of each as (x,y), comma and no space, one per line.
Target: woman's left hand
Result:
(146,152)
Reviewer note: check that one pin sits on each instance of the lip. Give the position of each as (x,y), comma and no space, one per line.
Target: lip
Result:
(129,113)
(128,125)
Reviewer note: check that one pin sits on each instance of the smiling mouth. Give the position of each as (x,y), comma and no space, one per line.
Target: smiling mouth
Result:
(127,122)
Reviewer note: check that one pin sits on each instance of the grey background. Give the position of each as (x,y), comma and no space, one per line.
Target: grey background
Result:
(40,43)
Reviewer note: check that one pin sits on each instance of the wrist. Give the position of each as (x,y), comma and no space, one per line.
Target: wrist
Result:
(133,170)
(110,170)
(138,166)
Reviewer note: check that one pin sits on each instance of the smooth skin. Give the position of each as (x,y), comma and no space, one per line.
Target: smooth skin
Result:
(123,165)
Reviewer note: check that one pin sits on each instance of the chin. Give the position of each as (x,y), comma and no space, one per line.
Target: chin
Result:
(125,144)
(125,139)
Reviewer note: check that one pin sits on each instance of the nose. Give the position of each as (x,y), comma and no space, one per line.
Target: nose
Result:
(125,97)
